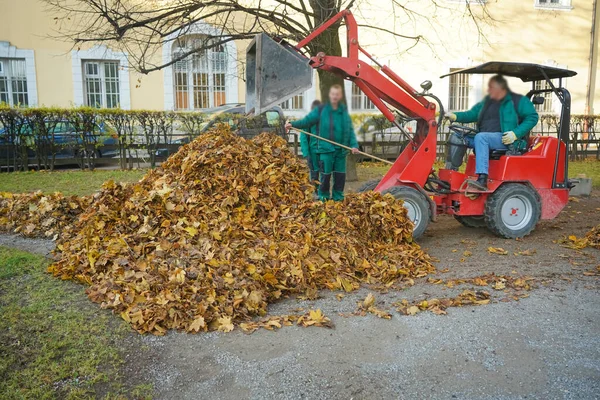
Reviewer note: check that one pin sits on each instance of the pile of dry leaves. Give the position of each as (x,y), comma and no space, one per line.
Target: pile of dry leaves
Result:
(224,227)
(593,237)
(39,215)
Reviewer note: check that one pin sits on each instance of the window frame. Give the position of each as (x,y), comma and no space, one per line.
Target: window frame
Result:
(563,5)
(11,94)
(205,84)
(357,96)
(298,103)
(103,81)
(459,101)
(548,106)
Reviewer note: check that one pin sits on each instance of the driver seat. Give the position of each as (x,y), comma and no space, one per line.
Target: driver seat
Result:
(496,154)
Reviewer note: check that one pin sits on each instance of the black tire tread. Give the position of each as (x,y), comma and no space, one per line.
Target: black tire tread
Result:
(471,221)
(369,185)
(494,201)
(399,191)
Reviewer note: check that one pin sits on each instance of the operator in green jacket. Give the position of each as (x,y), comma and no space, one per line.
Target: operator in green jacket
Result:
(309,145)
(503,119)
(334,124)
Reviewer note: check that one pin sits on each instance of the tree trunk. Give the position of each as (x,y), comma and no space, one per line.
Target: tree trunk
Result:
(328,42)
(351,174)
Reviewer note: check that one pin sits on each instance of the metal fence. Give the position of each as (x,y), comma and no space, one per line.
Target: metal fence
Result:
(44,138)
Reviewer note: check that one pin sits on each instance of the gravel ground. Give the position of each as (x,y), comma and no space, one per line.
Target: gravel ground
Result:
(37,246)
(544,347)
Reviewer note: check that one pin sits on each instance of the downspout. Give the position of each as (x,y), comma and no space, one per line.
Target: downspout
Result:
(591,80)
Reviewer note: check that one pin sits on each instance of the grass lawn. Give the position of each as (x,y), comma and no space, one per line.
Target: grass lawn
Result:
(54,343)
(87,182)
(68,182)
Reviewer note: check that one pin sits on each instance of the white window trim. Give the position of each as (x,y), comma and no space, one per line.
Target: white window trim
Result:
(100,53)
(231,77)
(550,7)
(348,90)
(309,97)
(476,82)
(8,51)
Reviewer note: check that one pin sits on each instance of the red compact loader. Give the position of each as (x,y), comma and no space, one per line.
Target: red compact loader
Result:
(522,187)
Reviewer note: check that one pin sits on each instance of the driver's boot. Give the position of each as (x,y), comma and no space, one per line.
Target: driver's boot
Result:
(481,184)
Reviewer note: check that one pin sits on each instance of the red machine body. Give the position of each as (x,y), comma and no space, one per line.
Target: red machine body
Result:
(543,168)
(534,168)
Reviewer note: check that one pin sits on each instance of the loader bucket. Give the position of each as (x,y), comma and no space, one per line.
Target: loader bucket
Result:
(274,73)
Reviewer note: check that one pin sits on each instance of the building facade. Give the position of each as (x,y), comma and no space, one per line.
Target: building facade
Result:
(37,69)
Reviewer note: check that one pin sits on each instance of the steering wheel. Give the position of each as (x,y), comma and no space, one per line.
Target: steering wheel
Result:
(462,130)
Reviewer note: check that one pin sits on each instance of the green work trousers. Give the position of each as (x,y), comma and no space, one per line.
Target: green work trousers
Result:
(313,167)
(332,165)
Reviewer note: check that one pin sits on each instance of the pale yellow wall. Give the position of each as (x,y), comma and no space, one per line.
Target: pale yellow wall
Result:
(27,25)
(519,33)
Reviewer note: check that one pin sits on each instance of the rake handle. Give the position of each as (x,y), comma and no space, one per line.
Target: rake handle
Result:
(342,146)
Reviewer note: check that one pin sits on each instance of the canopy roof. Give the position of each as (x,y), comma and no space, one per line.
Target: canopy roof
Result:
(525,71)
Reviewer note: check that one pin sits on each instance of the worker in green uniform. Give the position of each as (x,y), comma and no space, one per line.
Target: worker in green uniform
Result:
(334,124)
(308,145)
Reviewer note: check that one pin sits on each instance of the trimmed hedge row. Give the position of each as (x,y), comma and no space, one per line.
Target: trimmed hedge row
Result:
(44,134)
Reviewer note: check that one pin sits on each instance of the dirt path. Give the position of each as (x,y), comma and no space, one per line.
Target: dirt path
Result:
(545,346)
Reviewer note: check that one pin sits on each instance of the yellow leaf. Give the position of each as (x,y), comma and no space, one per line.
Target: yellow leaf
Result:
(368,301)
(412,310)
(197,324)
(225,324)
(497,250)
(191,230)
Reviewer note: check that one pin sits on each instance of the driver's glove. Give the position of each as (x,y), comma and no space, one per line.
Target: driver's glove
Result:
(509,137)
(450,116)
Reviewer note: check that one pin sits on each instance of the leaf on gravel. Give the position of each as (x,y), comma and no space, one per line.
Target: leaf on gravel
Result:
(497,250)
(314,318)
(528,252)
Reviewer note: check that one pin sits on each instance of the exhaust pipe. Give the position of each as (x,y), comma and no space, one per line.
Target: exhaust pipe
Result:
(274,74)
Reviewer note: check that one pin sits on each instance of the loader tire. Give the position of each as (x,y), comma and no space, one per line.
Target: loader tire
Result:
(417,206)
(513,211)
(471,221)
(369,186)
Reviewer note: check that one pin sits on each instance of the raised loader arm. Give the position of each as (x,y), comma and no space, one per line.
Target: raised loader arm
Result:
(381,85)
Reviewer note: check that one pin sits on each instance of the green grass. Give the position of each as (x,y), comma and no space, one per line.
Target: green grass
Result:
(590,168)
(68,182)
(55,343)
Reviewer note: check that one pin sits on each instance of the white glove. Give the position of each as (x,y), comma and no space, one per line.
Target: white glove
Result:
(509,137)
(450,116)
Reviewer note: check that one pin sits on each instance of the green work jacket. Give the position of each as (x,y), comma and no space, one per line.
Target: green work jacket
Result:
(509,116)
(334,125)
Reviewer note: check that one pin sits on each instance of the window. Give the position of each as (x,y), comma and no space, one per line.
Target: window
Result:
(295,103)
(101,84)
(564,4)
(199,79)
(13,82)
(547,107)
(360,101)
(458,98)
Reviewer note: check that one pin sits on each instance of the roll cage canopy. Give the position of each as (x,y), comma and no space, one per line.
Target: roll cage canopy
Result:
(527,72)
(533,73)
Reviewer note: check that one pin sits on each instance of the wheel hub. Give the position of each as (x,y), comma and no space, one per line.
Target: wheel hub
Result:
(413,212)
(516,212)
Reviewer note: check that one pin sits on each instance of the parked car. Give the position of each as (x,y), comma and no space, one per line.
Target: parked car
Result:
(234,115)
(70,146)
